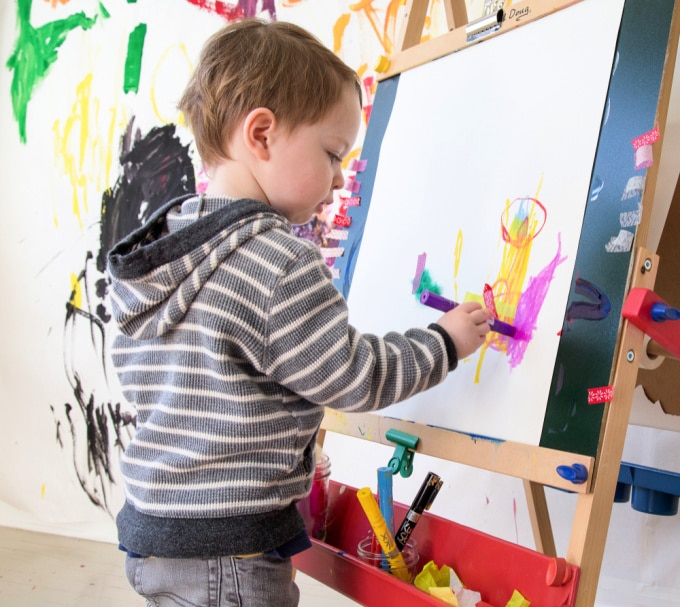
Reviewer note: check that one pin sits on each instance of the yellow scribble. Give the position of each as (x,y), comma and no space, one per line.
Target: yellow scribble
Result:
(177,116)
(42,491)
(521,230)
(522,220)
(339,31)
(355,154)
(76,292)
(385,26)
(457,254)
(82,154)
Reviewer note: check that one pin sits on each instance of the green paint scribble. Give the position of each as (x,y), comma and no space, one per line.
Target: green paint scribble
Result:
(35,51)
(102,10)
(427,284)
(133,62)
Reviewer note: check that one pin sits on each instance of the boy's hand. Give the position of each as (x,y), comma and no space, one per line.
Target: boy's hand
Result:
(467,326)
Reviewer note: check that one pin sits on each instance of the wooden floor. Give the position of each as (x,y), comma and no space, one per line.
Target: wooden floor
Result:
(41,570)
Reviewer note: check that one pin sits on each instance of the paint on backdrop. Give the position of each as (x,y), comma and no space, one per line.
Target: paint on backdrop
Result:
(154,168)
(35,50)
(383,20)
(235,11)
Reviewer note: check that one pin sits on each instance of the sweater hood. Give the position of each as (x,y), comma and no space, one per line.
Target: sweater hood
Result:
(158,270)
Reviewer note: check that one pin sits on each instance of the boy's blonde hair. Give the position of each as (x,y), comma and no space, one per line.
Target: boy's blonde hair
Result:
(253,64)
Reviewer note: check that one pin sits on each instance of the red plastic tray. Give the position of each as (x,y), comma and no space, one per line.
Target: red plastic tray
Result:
(491,566)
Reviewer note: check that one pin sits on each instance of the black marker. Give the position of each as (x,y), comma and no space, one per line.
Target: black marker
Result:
(426,494)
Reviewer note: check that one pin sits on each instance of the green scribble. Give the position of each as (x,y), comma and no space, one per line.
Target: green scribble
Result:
(35,51)
(427,284)
(103,12)
(133,62)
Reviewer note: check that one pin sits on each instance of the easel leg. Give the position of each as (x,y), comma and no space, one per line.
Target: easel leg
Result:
(456,14)
(588,554)
(411,32)
(540,518)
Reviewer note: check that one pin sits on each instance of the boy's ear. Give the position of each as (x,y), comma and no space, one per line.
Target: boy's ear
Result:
(258,129)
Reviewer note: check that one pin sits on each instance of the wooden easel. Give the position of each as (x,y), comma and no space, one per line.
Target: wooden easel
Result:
(536,465)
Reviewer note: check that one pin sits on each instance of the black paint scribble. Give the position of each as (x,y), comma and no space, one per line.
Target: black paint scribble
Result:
(155,168)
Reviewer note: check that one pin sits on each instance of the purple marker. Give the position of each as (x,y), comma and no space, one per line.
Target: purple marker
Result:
(428,298)
(503,328)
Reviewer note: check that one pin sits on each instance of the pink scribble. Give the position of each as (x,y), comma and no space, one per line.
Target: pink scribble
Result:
(530,303)
(420,268)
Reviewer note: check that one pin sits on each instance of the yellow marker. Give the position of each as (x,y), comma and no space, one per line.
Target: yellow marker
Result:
(382,64)
(383,534)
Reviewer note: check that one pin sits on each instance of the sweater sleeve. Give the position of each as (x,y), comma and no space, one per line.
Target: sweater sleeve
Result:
(312,350)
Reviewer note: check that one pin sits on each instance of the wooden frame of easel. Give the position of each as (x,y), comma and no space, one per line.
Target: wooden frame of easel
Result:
(536,465)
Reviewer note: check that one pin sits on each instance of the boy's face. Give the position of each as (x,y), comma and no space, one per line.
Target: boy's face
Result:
(305,165)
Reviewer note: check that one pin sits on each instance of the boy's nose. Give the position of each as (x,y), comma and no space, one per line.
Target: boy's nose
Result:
(338,179)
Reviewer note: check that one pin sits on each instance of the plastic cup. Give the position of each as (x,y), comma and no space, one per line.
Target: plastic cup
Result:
(314,508)
(370,553)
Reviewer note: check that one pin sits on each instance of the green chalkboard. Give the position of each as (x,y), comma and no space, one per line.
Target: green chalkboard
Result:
(586,351)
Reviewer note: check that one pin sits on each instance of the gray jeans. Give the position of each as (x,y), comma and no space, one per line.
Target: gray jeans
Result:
(258,581)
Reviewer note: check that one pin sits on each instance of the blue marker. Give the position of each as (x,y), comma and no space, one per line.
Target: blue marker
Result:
(386,501)
(428,298)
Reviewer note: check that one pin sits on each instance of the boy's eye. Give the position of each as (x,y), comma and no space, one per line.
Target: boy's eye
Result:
(334,157)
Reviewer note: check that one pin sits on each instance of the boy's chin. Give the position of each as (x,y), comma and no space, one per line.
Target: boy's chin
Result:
(300,221)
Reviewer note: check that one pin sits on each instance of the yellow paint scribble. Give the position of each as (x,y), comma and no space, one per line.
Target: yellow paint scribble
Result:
(168,63)
(384,24)
(76,292)
(355,154)
(457,254)
(81,153)
(42,491)
(522,219)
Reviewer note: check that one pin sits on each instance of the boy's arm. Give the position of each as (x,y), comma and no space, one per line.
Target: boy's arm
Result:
(313,350)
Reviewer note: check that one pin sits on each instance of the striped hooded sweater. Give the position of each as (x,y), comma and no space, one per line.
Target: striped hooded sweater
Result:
(232,340)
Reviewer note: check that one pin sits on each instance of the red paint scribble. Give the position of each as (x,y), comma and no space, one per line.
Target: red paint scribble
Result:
(529,306)
(515,228)
(230,12)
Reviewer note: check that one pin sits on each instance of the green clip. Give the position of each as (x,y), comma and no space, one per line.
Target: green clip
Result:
(402,460)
